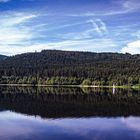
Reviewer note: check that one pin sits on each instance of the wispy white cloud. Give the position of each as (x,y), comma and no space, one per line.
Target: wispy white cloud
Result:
(125,7)
(99,26)
(84,45)
(116,8)
(11,19)
(131,4)
(93,28)
(4,1)
(132,47)
(13,30)
(137,34)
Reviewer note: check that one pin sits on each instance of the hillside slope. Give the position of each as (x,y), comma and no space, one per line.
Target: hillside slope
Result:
(2,57)
(69,67)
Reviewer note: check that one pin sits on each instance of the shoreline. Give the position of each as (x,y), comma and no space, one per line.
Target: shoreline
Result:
(80,86)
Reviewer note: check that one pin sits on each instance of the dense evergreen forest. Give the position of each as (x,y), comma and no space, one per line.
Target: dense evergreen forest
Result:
(54,67)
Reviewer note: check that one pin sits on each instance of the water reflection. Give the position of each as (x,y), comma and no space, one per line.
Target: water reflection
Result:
(16,126)
(70,102)
(59,113)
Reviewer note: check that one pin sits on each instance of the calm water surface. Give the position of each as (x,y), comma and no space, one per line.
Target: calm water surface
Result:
(69,114)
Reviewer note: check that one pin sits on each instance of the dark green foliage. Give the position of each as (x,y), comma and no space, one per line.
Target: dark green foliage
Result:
(69,67)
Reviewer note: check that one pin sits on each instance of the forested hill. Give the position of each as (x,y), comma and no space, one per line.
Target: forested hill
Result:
(2,57)
(69,67)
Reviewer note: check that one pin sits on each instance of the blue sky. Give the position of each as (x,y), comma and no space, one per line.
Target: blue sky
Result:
(81,25)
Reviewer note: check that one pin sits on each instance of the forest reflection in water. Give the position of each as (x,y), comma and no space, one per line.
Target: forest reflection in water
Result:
(60,102)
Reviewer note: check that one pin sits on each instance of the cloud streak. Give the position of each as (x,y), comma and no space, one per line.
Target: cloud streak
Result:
(3,1)
(99,45)
(119,7)
(99,26)
(13,30)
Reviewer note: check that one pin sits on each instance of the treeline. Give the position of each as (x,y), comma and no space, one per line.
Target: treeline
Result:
(54,67)
(2,57)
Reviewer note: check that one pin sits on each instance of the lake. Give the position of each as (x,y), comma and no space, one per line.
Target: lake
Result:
(60,113)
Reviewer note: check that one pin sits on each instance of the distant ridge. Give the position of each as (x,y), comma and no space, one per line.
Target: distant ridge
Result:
(2,57)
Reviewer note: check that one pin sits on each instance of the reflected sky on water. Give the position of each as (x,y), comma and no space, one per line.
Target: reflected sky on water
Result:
(15,126)
(69,114)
